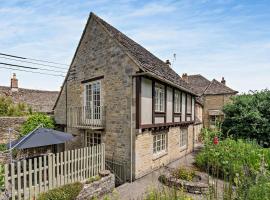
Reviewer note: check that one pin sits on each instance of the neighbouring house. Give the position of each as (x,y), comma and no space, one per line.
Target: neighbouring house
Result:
(39,100)
(118,93)
(213,95)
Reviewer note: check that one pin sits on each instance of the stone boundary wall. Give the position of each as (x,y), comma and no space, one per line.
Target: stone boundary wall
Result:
(98,188)
(10,122)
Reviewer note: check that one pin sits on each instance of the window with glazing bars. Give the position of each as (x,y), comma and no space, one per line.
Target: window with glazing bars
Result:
(92,100)
(92,139)
(177,101)
(183,137)
(159,97)
(159,143)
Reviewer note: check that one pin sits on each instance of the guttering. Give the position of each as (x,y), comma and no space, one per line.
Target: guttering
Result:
(163,80)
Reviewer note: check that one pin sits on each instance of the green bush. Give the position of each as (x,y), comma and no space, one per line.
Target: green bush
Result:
(184,174)
(233,158)
(248,117)
(3,147)
(260,190)
(166,194)
(8,108)
(2,176)
(34,121)
(66,192)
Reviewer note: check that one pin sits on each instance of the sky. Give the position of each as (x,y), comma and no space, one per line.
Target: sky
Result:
(215,38)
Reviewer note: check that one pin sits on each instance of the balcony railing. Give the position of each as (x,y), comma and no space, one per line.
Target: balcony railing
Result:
(86,117)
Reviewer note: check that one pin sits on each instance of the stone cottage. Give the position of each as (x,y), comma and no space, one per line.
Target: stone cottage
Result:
(213,95)
(118,93)
(38,100)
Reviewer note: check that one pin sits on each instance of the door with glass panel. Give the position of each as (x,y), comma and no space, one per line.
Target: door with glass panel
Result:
(92,103)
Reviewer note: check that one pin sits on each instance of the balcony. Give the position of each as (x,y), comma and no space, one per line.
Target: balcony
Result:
(86,117)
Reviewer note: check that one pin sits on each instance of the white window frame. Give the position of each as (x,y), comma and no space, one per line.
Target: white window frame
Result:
(183,139)
(177,101)
(92,138)
(95,111)
(189,104)
(160,143)
(159,97)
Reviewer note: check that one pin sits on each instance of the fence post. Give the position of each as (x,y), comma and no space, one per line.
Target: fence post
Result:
(50,180)
(7,186)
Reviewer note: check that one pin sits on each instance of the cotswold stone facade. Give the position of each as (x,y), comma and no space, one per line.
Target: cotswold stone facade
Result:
(103,98)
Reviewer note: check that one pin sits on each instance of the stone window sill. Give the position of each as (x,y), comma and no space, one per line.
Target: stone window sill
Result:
(183,148)
(159,155)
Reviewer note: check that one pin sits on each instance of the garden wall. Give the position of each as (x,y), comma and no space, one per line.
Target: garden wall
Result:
(10,122)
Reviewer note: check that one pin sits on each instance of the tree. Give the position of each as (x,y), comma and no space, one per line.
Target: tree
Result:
(36,120)
(248,117)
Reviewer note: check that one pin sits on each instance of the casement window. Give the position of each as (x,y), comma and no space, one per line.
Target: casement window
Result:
(159,97)
(189,102)
(160,143)
(183,138)
(177,101)
(92,100)
(213,119)
(92,138)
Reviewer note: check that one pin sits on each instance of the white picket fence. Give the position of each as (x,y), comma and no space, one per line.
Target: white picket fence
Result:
(26,179)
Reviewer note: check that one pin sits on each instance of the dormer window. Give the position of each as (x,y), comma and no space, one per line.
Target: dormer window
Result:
(159,97)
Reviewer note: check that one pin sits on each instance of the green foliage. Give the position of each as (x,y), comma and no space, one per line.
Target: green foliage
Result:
(184,173)
(234,158)
(208,135)
(8,108)
(167,194)
(3,147)
(34,121)
(260,190)
(2,176)
(66,192)
(93,179)
(248,116)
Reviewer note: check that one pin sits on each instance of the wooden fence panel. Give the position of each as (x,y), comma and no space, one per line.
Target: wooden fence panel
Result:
(28,178)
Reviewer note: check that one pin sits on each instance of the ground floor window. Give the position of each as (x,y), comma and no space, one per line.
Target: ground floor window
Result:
(159,142)
(92,138)
(183,137)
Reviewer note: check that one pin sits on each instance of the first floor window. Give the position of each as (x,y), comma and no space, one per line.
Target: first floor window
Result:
(189,103)
(159,97)
(183,137)
(177,101)
(160,143)
(92,138)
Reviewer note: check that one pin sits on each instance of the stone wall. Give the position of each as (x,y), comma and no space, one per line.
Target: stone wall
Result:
(98,188)
(146,161)
(213,102)
(99,55)
(10,122)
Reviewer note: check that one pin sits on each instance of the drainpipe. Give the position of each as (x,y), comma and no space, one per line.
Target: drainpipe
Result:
(131,133)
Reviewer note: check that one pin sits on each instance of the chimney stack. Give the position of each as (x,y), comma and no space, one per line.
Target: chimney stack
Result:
(14,83)
(223,81)
(168,63)
(185,77)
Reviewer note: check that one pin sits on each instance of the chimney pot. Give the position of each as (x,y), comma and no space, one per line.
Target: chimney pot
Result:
(223,81)
(14,83)
(168,63)
(185,77)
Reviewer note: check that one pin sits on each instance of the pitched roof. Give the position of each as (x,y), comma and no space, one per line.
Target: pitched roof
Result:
(39,100)
(217,87)
(41,137)
(203,86)
(146,60)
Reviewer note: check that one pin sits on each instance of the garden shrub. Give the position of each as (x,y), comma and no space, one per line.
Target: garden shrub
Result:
(34,121)
(184,174)
(3,147)
(260,190)
(248,117)
(233,158)
(166,194)
(8,108)
(2,176)
(66,192)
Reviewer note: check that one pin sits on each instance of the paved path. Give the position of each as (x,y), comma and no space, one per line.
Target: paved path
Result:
(137,189)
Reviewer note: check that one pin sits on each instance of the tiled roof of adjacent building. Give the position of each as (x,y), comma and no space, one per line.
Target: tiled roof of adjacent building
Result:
(146,60)
(39,100)
(203,86)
